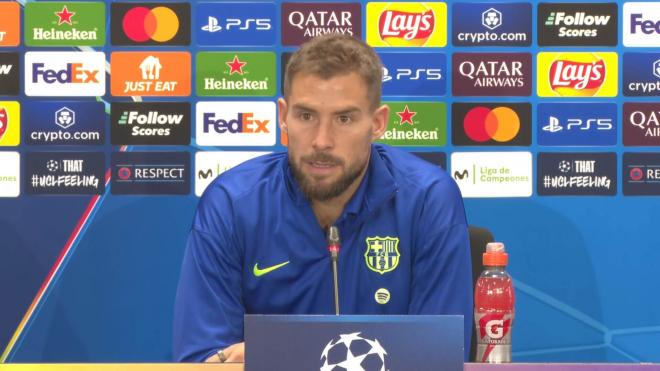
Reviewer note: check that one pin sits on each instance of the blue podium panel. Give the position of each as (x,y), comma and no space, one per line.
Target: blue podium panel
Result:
(352,343)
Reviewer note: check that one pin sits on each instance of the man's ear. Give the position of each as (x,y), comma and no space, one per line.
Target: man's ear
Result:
(380,118)
(282,110)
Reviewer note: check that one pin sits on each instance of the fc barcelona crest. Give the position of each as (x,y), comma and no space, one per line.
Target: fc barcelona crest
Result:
(382,254)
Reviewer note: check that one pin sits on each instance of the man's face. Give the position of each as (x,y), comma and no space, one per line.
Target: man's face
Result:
(330,126)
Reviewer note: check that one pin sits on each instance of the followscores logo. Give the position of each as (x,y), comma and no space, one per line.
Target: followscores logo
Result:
(236,24)
(577,124)
(641,74)
(488,24)
(236,123)
(57,74)
(303,21)
(150,23)
(504,124)
(65,123)
(406,24)
(210,164)
(152,123)
(493,174)
(641,24)
(577,24)
(414,74)
(577,74)
(9,73)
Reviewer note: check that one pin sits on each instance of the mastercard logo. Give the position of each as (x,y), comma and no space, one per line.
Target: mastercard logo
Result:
(142,24)
(500,124)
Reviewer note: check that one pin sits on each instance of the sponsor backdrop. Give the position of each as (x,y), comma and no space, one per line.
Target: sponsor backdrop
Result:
(545,114)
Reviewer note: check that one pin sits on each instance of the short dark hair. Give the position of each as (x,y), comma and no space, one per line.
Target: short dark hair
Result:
(334,54)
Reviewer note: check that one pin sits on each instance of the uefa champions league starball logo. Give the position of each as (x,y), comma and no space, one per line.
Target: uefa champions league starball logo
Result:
(351,352)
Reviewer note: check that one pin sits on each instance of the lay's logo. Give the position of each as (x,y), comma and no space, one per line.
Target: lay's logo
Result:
(577,74)
(406,24)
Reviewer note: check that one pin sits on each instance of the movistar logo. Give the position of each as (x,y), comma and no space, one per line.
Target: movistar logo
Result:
(260,272)
(461,175)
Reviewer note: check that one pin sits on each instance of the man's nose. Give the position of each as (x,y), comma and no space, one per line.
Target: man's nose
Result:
(324,138)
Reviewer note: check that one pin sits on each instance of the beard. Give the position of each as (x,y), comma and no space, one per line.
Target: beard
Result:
(312,189)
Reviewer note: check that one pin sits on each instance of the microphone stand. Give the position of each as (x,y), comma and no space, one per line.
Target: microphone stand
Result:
(334,245)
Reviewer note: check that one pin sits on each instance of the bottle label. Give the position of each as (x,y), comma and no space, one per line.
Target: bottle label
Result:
(494,337)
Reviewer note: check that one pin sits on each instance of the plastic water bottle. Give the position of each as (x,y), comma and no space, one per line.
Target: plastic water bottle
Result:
(494,307)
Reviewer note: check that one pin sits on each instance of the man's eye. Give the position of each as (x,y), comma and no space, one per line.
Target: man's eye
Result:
(305,116)
(344,119)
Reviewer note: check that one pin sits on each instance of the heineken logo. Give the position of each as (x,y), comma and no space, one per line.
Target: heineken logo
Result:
(406,116)
(64,16)
(236,66)
(65,24)
(236,74)
(416,124)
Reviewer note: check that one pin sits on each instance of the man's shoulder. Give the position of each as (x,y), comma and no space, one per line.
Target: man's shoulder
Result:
(246,177)
(411,171)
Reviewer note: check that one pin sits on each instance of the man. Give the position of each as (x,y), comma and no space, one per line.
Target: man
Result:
(257,243)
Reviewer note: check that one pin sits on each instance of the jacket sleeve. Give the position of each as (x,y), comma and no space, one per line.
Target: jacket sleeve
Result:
(442,267)
(208,311)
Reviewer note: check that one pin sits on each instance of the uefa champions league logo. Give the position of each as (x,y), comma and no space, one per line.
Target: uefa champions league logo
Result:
(353,353)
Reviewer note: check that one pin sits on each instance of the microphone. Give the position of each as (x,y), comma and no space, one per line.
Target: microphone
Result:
(334,244)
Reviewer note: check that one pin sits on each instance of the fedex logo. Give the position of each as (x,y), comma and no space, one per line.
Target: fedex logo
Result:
(57,74)
(74,73)
(235,123)
(641,24)
(244,123)
(646,26)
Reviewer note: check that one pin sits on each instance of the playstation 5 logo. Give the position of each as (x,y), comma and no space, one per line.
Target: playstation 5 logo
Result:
(212,26)
(259,24)
(553,126)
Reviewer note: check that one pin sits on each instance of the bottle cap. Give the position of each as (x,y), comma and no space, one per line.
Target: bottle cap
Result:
(495,255)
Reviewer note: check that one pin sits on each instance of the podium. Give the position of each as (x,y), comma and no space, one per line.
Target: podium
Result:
(239,367)
(354,342)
